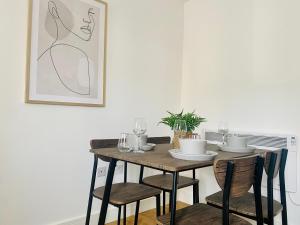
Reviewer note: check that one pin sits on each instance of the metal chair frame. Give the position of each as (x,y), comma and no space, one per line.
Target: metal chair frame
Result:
(92,187)
(270,196)
(256,186)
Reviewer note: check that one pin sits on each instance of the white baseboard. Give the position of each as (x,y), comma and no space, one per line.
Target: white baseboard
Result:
(112,214)
(80,220)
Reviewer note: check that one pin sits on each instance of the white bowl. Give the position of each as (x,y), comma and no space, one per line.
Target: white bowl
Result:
(148,146)
(192,146)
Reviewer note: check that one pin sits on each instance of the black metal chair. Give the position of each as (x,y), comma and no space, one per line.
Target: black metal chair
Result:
(235,177)
(121,193)
(274,163)
(164,181)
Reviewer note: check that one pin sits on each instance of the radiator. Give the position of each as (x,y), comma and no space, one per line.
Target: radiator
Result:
(269,142)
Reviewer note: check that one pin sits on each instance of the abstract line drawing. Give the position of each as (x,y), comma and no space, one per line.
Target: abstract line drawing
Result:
(86,29)
(69,52)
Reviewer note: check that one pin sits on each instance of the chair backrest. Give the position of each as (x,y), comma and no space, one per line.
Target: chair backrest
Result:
(243,175)
(235,177)
(104,143)
(275,161)
(159,140)
(272,162)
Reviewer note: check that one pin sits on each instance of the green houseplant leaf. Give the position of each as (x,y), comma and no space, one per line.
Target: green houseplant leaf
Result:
(192,120)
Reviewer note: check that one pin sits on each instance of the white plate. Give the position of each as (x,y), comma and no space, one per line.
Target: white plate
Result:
(210,155)
(226,148)
(148,147)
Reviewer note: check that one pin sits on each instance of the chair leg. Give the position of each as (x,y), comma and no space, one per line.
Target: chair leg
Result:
(164,202)
(196,193)
(284,212)
(282,187)
(119,215)
(270,207)
(157,205)
(124,215)
(270,201)
(107,190)
(136,216)
(257,190)
(88,214)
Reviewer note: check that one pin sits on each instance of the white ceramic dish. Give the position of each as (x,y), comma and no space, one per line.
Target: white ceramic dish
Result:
(148,147)
(177,153)
(192,146)
(227,148)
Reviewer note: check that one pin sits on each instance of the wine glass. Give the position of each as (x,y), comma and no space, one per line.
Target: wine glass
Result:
(223,129)
(140,127)
(123,144)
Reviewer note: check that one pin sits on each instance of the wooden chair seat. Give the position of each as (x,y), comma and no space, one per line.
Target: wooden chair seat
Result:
(125,193)
(164,181)
(244,205)
(200,214)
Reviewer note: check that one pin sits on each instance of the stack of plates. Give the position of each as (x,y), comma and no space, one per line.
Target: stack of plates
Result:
(178,154)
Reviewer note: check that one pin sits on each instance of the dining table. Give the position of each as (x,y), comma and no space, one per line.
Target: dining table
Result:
(158,159)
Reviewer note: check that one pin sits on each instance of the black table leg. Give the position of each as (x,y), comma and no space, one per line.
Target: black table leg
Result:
(119,215)
(124,215)
(195,193)
(88,214)
(106,195)
(158,205)
(174,197)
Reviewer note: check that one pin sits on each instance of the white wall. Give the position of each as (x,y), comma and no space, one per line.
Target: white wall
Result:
(240,64)
(45,166)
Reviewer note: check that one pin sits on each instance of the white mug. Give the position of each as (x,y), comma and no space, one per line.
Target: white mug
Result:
(192,146)
(236,141)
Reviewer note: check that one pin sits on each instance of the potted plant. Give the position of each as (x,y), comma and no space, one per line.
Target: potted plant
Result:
(191,119)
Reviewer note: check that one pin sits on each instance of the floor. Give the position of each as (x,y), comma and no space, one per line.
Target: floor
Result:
(148,217)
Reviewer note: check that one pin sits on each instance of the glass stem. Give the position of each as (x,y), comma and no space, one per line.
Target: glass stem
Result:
(139,142)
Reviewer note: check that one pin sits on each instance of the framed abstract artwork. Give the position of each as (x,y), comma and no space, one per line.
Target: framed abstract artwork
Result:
(66,60)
